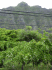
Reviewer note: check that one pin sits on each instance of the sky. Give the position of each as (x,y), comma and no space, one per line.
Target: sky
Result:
(43,3)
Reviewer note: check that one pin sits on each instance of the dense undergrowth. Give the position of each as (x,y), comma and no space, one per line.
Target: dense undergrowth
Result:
(21,47)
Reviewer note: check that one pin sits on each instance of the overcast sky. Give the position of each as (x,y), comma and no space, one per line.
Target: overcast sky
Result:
(43,3)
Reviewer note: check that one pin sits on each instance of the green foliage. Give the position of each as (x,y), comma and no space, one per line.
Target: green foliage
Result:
(28,35)
(24,47)
(50,37)
(28,28)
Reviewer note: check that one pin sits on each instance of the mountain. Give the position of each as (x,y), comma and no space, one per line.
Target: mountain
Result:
(16,21)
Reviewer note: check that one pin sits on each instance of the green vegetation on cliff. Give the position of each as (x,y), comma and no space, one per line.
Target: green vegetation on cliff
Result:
(22,20)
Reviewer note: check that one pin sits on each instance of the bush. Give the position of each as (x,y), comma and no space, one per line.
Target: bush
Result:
(28,36)
(50,37)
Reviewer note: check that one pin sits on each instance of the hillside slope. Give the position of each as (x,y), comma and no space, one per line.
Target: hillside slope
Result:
(9,21)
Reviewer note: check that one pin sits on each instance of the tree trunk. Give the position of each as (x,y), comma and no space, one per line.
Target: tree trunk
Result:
(33,64)
(22,67)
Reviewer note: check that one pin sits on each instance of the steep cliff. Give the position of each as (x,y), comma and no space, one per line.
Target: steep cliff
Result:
(15,21)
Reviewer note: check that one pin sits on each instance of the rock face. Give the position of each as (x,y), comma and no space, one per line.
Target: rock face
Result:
(15,21)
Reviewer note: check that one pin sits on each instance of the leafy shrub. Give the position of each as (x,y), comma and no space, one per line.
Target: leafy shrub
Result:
(28,36)
(50,37)
(24,47)
(10,65)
